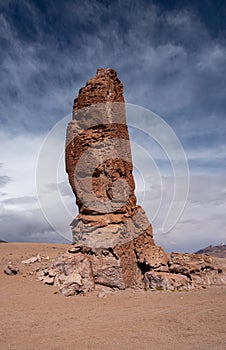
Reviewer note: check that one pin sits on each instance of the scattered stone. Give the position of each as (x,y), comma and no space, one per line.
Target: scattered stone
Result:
(52,273)
(103,292)
(68,292)
(48,280)
(45,258)
(11,269)
(42,274)
(73,278)
(74,249)
(32,260)
(72,284)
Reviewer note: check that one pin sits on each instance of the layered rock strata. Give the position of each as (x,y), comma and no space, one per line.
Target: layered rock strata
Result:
(99,166)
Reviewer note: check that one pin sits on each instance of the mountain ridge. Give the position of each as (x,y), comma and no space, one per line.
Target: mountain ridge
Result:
(218,251)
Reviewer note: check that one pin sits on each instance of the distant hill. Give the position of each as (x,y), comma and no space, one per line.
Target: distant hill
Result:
(218,251)
(1,241)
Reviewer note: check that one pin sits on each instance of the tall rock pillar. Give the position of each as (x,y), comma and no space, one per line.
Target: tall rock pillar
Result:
(99,167)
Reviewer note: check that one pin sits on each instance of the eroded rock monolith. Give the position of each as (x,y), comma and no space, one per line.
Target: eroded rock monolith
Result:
(112,236)
(99,167)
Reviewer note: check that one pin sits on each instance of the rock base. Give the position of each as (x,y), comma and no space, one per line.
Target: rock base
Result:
(83,270)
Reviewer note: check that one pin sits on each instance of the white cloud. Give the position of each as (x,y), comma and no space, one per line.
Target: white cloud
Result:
(20,213)
(19,159)
(203,221)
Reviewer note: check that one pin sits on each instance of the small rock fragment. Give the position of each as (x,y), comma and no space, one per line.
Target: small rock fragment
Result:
(104,291)
(101,294)
(11,269)
(32,260)
(52,273)
(74,250)
(67,292)
(48,280)
(73,278)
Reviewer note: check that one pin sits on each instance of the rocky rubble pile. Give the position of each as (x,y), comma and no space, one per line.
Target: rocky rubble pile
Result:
(82,270)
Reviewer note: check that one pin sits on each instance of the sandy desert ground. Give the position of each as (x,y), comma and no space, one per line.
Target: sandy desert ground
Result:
(33,316)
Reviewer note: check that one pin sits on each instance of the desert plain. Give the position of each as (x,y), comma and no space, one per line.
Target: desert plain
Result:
(35,316)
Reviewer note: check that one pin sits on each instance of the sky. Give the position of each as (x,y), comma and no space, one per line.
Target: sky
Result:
(171,59)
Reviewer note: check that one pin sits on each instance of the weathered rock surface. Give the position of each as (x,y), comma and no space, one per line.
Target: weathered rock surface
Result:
(99,166)
(167,281)
(200,269)
(185,271)
(82,270)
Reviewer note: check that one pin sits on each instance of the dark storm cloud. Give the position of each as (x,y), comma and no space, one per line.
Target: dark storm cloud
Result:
(211,13)
(167,57)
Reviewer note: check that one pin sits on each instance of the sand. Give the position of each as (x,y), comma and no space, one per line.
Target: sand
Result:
(33,316)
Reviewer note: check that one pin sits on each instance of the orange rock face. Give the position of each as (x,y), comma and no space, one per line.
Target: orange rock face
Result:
(99,166)
(98,122)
